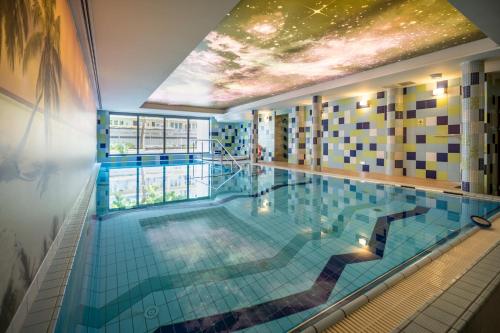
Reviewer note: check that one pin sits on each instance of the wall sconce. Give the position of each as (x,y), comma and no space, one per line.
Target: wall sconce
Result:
(364,103)
(438,92)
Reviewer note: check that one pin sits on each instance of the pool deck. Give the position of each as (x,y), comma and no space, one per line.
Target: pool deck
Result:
(442,296)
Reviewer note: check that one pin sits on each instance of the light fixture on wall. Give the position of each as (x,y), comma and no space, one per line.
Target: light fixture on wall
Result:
(438,91)
(364,103)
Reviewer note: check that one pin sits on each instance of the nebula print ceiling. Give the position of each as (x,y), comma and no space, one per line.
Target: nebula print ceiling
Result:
(266,47)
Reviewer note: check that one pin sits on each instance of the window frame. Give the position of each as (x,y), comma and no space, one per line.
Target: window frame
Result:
(165,117)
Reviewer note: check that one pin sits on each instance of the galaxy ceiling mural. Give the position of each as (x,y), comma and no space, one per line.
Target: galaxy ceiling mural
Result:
(266,47)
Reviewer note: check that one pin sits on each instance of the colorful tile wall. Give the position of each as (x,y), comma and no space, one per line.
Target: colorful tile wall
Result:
(281,137)
(356,135)
(235,136)
(492,135)
(297,135)
(266,135)
(432,131)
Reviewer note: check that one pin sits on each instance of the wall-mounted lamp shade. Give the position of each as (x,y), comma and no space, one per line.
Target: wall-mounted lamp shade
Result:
(438,92)
(364,103)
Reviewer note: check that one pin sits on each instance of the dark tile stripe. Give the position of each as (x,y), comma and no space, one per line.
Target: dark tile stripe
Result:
(288,305)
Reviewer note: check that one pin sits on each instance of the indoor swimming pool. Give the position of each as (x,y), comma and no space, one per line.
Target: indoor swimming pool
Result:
(198,248)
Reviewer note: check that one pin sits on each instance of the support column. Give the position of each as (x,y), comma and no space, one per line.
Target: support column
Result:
(297,136)
(472,120)
(317,108)
(492,129)
(254,148)
(394,126)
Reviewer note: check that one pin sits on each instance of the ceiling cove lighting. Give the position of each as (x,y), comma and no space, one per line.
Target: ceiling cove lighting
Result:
(268,47)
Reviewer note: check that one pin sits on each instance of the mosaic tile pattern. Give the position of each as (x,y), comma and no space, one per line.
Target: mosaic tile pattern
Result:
(267,120)
(297,135)
(473,134)
(254,139)
(316,133)
(357,136)
(395,129)
(281,137)
(235,136)
(432,131)
(492,137)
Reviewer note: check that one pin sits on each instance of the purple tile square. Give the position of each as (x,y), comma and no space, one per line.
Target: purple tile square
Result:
(453,129)
(380,94)
(431,174)
(420,164)
(442,120)
(421,138)
(453,148)
(442,157)
(410,114)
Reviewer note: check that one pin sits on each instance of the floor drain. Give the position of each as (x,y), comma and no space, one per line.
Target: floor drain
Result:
(151,312)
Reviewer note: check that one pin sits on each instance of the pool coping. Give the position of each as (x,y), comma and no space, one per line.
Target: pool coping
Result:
(333,314)
(336,314)
(39,309)
(474,288)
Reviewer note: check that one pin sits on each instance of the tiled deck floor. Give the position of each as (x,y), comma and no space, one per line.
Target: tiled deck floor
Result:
(403,180)
(386,312)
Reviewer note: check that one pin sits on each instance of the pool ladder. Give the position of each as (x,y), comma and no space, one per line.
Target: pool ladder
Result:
(224,158)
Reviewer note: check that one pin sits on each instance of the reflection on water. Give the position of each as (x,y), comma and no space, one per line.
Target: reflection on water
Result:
(139,186)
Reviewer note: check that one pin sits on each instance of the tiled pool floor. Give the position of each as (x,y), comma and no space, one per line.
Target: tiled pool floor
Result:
(277,248)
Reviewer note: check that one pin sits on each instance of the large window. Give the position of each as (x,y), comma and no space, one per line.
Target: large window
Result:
(151,135)
(138,134)
(123,134)
(199,133)
(176,135)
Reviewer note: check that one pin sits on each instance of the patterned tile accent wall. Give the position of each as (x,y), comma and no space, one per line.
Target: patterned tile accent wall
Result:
(356,137)
(395,129)
(297,135)
(473,132)
(235,136)
(254,139)
(492,135)
(315,133)
(266,135)
(102,135)
(281,138)
(432,131)
(414,134)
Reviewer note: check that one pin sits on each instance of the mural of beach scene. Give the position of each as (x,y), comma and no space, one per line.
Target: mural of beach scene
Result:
(47,142)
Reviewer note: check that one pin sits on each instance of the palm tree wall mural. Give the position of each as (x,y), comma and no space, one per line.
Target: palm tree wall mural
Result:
(46,98)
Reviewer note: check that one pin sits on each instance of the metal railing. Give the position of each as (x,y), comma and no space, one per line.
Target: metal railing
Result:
(223,156)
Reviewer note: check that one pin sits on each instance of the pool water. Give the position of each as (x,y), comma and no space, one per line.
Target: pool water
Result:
(198,248)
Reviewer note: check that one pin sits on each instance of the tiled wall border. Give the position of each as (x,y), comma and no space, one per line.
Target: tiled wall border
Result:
(338,314)
(39,309)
